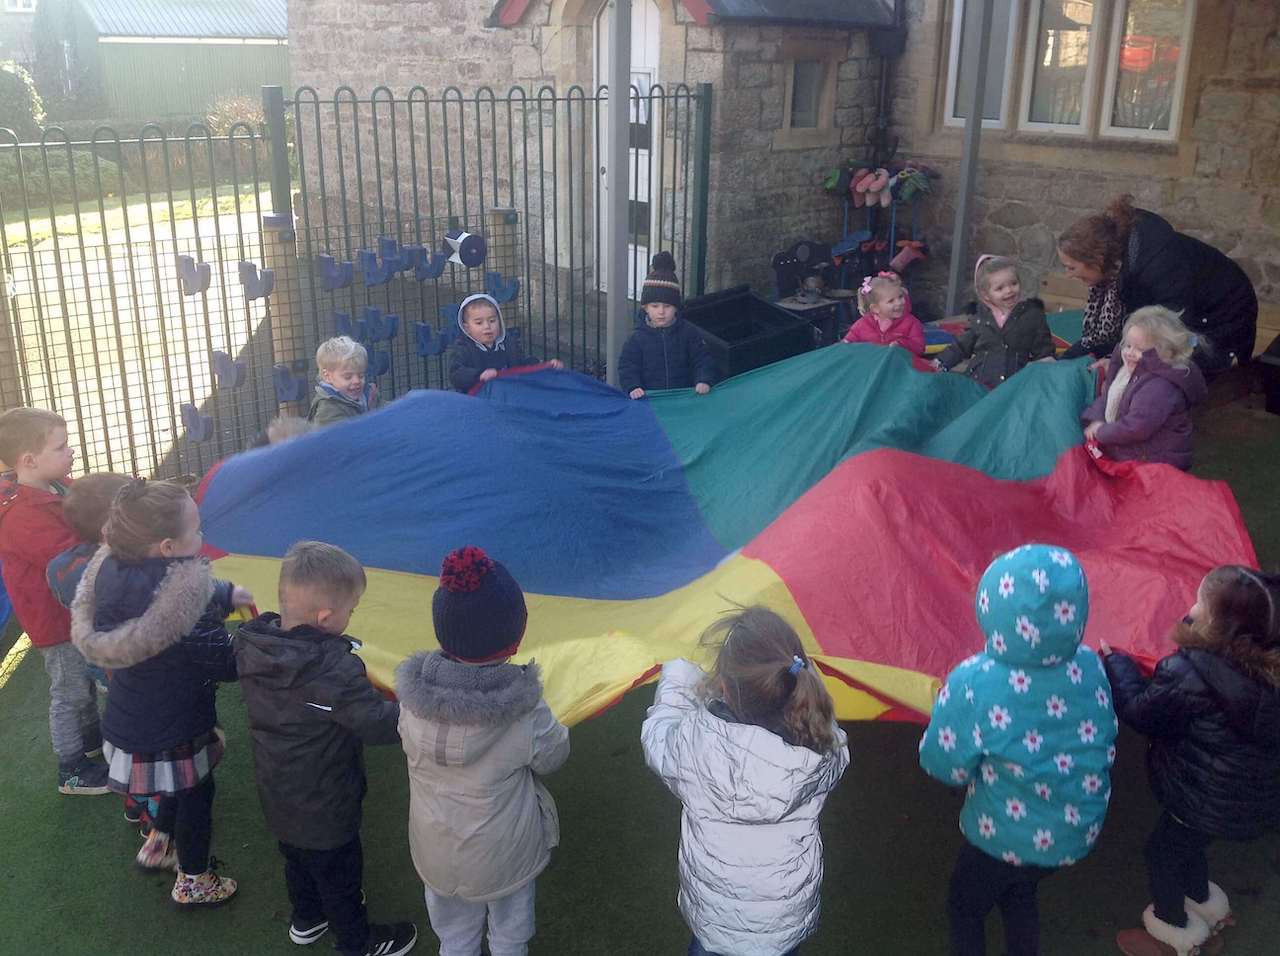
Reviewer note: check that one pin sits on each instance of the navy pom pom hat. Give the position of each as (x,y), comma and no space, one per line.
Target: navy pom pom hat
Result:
(478,610)
(661,284)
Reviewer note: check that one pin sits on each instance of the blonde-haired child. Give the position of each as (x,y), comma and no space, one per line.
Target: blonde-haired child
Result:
(341,389)
(886,318)
(1144,411)
(752,751)
(1006,333)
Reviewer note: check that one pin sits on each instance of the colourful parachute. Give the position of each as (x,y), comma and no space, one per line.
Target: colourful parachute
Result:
(858,497)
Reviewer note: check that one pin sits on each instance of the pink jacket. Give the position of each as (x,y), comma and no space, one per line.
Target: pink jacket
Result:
(906,332)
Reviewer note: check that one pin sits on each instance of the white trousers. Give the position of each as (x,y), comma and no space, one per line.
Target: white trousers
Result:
(461,925)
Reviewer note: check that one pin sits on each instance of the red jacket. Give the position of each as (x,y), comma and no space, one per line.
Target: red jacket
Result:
(32,533)
(906,332)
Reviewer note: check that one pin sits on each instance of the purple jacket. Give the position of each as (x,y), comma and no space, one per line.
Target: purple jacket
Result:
(1153,422)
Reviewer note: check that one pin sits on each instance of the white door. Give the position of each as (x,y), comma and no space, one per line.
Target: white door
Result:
(644,135)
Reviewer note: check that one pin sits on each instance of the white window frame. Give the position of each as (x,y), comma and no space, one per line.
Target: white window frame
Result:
(19,6)
(953,63)
(1118,9)
(1088,95)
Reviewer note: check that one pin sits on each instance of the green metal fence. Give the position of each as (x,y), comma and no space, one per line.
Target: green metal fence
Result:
(133,293)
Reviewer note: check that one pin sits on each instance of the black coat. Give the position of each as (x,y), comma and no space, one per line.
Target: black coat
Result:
(467,360)
(995,353)
(166,698)
(311,710)
(1214,757)
(674,356)
(1217,301)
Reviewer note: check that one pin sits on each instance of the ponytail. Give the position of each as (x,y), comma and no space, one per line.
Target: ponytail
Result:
(766,679)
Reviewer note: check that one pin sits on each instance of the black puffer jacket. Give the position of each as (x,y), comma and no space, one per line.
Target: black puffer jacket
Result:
(674,356)
(1214,724)
(157,625)
(311,710)
(995,353)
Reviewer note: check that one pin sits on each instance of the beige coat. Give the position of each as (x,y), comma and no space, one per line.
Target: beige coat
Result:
(481,824)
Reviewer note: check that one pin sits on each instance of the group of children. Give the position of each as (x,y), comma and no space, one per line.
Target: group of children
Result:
(106,577)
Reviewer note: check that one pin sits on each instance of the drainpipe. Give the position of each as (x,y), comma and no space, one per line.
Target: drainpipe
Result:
(888,44)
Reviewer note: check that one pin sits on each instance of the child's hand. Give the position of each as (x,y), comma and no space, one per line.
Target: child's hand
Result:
(1048,358)
(1105,649)
(488,374)
(636,393)
(1099,364)
(937,365)
(241,597)
(702,388)
(557,365)
(1091,431)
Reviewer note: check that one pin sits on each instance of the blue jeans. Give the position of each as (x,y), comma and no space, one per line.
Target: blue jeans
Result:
(697,949)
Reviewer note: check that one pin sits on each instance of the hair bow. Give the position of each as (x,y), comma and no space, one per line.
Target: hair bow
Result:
(865,288)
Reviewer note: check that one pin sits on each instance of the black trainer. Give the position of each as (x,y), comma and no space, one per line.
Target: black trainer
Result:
(391,940)
(304,933)
(84,777)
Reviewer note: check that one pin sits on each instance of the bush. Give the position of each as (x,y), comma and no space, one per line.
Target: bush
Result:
(20,103)
(59,179)
(237,108)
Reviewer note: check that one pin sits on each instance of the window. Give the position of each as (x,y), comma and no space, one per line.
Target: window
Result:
(1114,68)
(806,93)
(810,71)
(964,61)
(19,6)
(1145,78)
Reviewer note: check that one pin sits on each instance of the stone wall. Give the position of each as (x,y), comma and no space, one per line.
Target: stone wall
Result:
(1220,181)
(764,194)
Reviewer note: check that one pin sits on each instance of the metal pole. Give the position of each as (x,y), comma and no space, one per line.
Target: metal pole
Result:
(273,109)
(617,323)
(958,274)
(701,190)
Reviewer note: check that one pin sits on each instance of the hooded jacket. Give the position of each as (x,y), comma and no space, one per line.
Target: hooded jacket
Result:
(1213,716)
(468,358)
(1153,420)
(32,533)
(673,356)
(330,405)
(481,824)
(1027,726)
(157,626)
(996,352)
(905,332)
(750,852)
(311,710)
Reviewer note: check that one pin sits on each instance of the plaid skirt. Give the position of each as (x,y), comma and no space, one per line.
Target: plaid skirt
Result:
(166,772)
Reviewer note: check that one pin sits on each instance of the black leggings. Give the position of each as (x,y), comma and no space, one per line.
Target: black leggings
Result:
(188,818)
(1176,868)
(980,882)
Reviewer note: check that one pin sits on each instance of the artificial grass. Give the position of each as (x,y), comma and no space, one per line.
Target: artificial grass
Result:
(67,884)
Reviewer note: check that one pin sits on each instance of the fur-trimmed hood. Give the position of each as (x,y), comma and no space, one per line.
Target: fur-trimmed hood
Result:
(1262,663)
(176,606)
(434,687)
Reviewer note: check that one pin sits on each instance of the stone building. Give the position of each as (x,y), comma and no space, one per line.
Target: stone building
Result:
(1174,101)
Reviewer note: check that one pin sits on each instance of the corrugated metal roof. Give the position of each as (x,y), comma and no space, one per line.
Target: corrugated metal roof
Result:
(849,14)
(190,19)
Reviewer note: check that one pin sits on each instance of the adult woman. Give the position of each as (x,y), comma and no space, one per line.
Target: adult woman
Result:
(1130,258)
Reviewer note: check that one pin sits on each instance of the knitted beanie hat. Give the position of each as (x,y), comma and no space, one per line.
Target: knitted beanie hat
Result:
(661,284)
(478,610)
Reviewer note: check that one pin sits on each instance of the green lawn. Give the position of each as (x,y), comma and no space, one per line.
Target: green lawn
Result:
(890,833)
(137,211)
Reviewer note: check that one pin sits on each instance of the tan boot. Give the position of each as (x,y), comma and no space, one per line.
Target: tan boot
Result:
(202,889)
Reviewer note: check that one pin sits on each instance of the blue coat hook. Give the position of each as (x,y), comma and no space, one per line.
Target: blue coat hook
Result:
(426,265)
(500,289)
(449,315)
(334,275)
(257,284)
(379,363)
(199,427)
(342,325)
(288,387)
(194,275)
(379,327)
(425,335)
(227,372)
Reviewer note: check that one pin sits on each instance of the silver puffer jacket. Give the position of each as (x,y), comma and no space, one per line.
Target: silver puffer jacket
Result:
(750,852)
